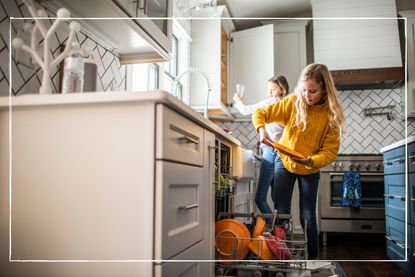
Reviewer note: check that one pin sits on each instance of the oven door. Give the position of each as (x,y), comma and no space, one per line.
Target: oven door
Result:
(331,193)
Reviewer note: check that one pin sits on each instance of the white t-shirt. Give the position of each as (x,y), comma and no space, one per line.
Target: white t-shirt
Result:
(273,129)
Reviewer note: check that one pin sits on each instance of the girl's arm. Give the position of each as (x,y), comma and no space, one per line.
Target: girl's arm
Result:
(277,112)
(249,109)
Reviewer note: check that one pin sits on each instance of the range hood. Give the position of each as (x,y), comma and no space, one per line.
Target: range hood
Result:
(359,42)
(368,78)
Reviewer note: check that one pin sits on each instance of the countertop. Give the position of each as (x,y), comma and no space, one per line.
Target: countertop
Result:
(397,144)
(115,96)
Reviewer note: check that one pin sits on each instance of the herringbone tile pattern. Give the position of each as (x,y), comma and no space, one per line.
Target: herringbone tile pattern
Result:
(26,78)
(365,135)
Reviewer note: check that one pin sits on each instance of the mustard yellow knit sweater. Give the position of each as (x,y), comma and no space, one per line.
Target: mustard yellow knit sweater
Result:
(318,140)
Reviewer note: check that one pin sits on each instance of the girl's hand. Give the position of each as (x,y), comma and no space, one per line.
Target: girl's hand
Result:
(308,162)
(237,98)
(264,137)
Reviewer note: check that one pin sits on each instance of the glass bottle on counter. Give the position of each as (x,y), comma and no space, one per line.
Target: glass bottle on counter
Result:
(73,70)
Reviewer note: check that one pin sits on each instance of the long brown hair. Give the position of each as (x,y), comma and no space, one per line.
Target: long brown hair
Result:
(320,74)
(282,82)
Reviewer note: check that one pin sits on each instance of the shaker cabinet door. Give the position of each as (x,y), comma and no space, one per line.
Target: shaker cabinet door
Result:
(180,204)
(252,61)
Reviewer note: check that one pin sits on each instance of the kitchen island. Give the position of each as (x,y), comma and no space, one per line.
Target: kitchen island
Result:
(107,184)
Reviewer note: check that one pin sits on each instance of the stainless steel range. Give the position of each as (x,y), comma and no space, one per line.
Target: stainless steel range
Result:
(370,217)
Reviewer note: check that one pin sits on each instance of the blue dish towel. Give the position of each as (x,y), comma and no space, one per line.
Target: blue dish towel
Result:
(352,189)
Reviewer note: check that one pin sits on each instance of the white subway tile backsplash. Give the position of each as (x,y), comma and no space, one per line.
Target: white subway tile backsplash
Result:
(3,14)
(107,60)
(106,79)
(4,89)
(11,7)
(31,86)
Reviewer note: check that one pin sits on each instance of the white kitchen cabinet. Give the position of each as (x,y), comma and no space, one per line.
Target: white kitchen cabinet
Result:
(209,54)
(96,177)
(410,32)
(277,48)
(140,39)
(159,29)
(252,62)
(290,49)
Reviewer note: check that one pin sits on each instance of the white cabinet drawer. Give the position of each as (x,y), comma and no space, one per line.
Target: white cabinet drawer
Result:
(178,138)
(180,208)
(186,269)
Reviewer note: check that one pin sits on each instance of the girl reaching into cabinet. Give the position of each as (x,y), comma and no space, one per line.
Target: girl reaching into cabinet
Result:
(314,121)
(277,88)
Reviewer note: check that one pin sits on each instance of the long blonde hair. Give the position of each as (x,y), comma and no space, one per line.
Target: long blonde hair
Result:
(320,74)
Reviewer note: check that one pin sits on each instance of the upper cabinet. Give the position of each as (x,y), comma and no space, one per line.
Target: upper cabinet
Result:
(252,61)
(410,44)
(210,54)
(257,54)
(143,38)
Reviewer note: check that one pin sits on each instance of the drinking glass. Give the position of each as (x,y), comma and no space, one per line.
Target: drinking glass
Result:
(240,90)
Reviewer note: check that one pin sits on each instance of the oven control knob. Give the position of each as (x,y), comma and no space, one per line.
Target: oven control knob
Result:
(334,165)
(378,167)
(351,166)
(367,166)
(341,165)
(357,166)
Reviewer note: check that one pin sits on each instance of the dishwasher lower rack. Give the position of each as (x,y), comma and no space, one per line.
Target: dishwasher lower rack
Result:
(237,254)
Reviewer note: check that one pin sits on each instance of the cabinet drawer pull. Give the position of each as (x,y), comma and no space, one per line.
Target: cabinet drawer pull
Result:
(187,138)
(188,207)
(411,157)
(412,199)
(399,160)
(400,245)
(395,242)
(394,196)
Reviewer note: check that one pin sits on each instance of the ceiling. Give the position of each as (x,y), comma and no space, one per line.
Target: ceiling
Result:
(264,9)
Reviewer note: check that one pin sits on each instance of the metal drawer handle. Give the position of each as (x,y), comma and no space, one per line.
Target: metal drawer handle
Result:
(361,174)
(188,207)
(399,160)
(411,157)
(187,137)
(412,199)
(397,243)
(400,245)
(395,196)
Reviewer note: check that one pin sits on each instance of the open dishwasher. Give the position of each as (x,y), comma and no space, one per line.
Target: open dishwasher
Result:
(257,249)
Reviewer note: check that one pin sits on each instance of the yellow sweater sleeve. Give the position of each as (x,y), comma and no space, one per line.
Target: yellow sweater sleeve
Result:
(276,112)
(328,151)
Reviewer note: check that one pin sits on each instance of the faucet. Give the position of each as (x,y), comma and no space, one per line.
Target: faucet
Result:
(209,86)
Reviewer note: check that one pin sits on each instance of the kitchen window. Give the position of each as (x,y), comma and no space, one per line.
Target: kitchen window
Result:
(154,76)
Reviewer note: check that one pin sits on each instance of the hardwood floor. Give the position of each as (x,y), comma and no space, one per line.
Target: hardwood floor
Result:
(359,247)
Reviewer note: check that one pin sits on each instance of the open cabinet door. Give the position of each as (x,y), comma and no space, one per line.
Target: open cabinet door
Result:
(252,61)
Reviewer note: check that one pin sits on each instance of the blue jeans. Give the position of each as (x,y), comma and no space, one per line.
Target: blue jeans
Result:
(308,188)
(266,177)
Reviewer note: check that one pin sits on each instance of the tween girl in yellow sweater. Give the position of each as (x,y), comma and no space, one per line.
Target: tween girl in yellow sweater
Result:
(314,121)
